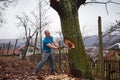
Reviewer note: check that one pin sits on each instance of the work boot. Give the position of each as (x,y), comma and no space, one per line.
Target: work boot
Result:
(34,73)
(52,72)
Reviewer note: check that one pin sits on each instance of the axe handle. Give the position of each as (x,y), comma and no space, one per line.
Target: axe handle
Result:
(67,50)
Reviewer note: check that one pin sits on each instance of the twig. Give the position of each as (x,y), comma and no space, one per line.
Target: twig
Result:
(106,9)
(96,2)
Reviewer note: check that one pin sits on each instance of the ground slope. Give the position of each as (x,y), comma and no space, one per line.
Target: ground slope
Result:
(12,68)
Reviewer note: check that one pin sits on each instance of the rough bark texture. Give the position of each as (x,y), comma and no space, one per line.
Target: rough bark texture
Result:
(68,12)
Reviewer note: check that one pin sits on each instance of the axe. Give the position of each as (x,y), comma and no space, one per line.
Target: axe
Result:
(68,45)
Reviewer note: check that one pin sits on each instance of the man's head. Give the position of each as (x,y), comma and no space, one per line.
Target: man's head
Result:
(47,33)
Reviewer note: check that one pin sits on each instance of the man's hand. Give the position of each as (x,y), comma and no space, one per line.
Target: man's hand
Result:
(61,47)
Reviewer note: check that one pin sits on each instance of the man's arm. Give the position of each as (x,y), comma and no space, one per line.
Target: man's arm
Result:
(52,46)
(55,43)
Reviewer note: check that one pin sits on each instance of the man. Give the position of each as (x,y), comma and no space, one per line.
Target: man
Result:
(47,52)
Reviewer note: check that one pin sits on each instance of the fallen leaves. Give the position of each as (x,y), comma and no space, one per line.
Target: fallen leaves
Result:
(17,69)
(59,77)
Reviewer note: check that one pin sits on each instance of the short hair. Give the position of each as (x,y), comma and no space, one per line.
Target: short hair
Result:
(46,31)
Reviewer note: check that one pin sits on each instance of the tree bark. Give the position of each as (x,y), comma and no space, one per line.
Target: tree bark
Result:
(25,48)
(68,12)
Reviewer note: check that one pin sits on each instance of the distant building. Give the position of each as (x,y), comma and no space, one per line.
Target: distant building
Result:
(93,52)
(113,52)
(29,51)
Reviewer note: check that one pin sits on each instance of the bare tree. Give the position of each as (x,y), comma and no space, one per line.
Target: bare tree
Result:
(111,32)
(24,23)
(114,28)
(38,21)
(4,4)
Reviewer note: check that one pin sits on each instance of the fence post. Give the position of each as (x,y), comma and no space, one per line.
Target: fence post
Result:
(119,69)
(60,58)
(0,49)
(101,48)
(35,46)
(109,70)
(15,46)
(3,48)
(8,47)
(105,67)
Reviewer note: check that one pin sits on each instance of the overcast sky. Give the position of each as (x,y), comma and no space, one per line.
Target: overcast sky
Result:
(88,16)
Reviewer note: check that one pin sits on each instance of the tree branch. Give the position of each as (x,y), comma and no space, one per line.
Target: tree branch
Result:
(79,2)
(104,3)
(3,0)
(96,2)
(55,4)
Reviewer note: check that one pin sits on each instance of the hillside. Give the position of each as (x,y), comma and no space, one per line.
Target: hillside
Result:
(88,41)
(108,40)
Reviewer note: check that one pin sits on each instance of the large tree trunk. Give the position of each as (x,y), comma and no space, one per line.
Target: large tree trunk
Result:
(68,12)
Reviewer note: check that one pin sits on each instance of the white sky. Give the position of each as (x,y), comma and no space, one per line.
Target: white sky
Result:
(88,16)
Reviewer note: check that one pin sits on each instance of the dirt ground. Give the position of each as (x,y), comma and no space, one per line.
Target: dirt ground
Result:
(12,68)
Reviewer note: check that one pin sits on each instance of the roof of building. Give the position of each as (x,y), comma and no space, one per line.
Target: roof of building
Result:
(114,47)
(23,46)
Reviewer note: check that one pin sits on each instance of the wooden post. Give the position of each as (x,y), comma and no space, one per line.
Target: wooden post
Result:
(15,46)
(101,49)
(3,48)
(35,45)
(40,23)
(8,47)
(0,49)
(60,58)
(119,68)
